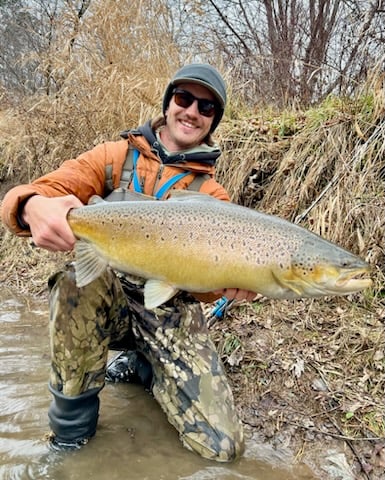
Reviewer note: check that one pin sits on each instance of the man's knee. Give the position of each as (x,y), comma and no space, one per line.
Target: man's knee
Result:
(65,275)
(214,444)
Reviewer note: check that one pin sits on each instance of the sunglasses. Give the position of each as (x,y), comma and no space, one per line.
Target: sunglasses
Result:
(184,99)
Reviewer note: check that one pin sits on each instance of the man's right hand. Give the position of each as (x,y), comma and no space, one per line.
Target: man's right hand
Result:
(47,220)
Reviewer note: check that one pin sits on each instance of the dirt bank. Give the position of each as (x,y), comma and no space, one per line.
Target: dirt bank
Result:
(308,375)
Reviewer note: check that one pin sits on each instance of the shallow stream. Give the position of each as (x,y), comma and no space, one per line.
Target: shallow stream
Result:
(134,440)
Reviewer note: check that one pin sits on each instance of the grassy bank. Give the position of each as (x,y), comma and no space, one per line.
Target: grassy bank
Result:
(311,371)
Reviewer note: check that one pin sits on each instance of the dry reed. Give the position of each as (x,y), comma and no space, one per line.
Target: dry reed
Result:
(323,168)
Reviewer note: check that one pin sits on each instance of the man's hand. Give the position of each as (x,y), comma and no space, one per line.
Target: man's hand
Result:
(47,219)
(237,294)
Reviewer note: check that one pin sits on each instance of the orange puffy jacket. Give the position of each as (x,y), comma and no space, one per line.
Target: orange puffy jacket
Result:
(86,176)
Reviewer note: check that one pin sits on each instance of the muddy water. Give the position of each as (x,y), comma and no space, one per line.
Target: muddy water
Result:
(133,441)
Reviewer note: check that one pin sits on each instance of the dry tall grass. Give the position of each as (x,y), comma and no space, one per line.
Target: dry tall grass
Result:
(111,79)
(323,168)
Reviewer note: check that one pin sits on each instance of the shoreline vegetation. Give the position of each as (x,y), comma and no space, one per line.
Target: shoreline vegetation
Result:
(308,375)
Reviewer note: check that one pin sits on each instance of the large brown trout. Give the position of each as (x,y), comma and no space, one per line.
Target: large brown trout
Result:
(196,243)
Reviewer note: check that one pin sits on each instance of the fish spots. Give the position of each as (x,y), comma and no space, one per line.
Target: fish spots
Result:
(243,243)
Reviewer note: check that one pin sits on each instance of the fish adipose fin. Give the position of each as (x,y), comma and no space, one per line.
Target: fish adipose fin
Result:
(88,265)
(95,199)
(157,292)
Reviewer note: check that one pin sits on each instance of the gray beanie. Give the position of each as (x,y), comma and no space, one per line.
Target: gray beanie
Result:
(201,74)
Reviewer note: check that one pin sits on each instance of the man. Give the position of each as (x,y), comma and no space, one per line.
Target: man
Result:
(173,354)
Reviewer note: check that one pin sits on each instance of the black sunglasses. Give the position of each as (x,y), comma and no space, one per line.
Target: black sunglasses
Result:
(184,99)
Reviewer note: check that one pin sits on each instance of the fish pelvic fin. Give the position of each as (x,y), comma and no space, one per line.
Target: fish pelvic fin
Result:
(88,265)
(157,292)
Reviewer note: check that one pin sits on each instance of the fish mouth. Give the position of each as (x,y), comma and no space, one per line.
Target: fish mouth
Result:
(354,280)
(322,281)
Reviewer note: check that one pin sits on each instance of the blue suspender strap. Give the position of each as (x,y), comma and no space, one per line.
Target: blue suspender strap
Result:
(137,186)
(164,188)
(159,194)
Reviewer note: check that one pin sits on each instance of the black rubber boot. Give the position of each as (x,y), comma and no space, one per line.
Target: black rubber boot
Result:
(73,420)
(130,367)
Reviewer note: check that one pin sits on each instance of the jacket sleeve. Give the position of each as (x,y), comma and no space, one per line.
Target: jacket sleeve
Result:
(208,297)
(213,188)
(82,177)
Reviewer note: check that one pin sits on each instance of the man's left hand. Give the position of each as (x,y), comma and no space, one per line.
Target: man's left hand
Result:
(237,294)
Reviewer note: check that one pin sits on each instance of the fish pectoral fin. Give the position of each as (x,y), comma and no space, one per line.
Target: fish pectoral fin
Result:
(289,283)
(88,265)
(157,292)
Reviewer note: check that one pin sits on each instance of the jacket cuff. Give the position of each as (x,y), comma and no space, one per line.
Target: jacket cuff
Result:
(19,217)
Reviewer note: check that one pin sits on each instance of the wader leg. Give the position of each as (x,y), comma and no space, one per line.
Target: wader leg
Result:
(189,380)
(83,321)
(73,419)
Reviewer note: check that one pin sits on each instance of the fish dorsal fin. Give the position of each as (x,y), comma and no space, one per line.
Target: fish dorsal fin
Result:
(88,265)
(157,292)
(184,195)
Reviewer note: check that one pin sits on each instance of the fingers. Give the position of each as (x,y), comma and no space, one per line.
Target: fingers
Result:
(54,237)
(47,219)
(237,294)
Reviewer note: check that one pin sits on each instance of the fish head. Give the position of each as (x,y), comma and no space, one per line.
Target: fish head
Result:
(326,279)
(331,270)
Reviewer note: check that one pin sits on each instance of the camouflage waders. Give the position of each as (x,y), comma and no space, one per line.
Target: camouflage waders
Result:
(189,382)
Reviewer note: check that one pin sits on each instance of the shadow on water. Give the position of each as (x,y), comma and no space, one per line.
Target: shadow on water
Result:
(134,440)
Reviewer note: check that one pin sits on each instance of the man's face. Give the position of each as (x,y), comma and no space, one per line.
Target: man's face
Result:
(185,127)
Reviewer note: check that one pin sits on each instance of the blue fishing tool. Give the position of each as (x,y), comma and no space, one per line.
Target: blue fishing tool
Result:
(219,310)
